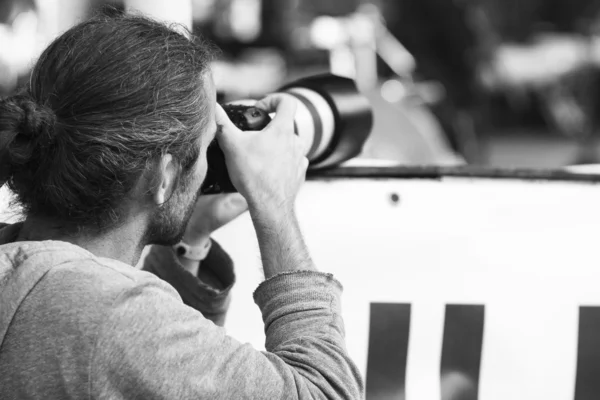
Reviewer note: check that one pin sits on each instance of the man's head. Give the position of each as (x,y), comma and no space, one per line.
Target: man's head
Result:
(114,125)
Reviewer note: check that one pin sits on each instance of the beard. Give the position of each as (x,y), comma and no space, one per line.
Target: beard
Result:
(167,225)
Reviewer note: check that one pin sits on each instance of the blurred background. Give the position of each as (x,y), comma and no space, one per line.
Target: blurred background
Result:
(498,83)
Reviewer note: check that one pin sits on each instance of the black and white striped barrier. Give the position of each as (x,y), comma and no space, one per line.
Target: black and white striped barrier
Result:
(489,283)
(453,280)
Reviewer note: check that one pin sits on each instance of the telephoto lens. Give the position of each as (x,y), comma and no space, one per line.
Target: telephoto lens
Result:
(333,120)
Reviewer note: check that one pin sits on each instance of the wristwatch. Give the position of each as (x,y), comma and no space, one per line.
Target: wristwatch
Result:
(194,253)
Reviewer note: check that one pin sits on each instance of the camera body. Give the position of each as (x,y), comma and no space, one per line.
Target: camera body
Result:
(333,120)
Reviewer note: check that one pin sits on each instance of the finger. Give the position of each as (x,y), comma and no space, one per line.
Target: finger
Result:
(245,102)
(222,120)
(283,105)
(227,132)
(270,102)
(303,169)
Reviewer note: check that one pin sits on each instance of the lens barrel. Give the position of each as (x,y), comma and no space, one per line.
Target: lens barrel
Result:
(352,115)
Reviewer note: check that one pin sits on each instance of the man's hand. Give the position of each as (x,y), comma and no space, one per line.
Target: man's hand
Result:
(210,213)
(267,167)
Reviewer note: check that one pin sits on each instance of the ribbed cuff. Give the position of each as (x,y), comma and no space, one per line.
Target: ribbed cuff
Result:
(298,303)
(296,286)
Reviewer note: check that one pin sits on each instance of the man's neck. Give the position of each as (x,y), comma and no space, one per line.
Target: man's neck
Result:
(123,243)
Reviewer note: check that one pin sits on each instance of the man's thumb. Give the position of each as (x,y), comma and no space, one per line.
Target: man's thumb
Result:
(227,128)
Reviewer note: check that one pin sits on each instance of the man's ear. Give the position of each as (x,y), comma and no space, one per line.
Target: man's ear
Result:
(166,180)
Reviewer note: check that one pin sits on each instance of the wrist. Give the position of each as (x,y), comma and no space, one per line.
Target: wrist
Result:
(275,214)
(191,266)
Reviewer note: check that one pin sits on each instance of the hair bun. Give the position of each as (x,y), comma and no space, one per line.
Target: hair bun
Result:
(24,124)
(36,121)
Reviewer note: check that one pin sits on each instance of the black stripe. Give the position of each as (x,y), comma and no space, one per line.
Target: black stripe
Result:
(317,123)
(388,351)
(461,351)
(587,383)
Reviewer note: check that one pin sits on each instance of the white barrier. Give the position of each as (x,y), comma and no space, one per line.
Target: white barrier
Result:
(527,251)
(485,278)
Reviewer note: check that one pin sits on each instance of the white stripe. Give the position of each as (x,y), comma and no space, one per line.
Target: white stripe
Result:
(306,129)
(325,114)
(425,351)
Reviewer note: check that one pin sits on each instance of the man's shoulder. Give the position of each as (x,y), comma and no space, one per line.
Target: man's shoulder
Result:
(56,298)
(73,276)
(100,278)
(78,292)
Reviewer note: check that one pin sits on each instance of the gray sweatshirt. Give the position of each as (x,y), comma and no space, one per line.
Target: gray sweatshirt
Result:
(76,326)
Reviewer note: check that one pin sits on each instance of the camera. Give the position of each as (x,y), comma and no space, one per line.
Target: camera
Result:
(333,120)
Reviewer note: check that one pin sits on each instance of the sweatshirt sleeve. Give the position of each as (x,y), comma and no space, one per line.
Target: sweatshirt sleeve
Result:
(209,292)
(153,347)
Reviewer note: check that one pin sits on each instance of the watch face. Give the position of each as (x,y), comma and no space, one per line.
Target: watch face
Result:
(180,250)
(197,253)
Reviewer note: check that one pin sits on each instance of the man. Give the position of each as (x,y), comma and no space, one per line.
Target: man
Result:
(106,152)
